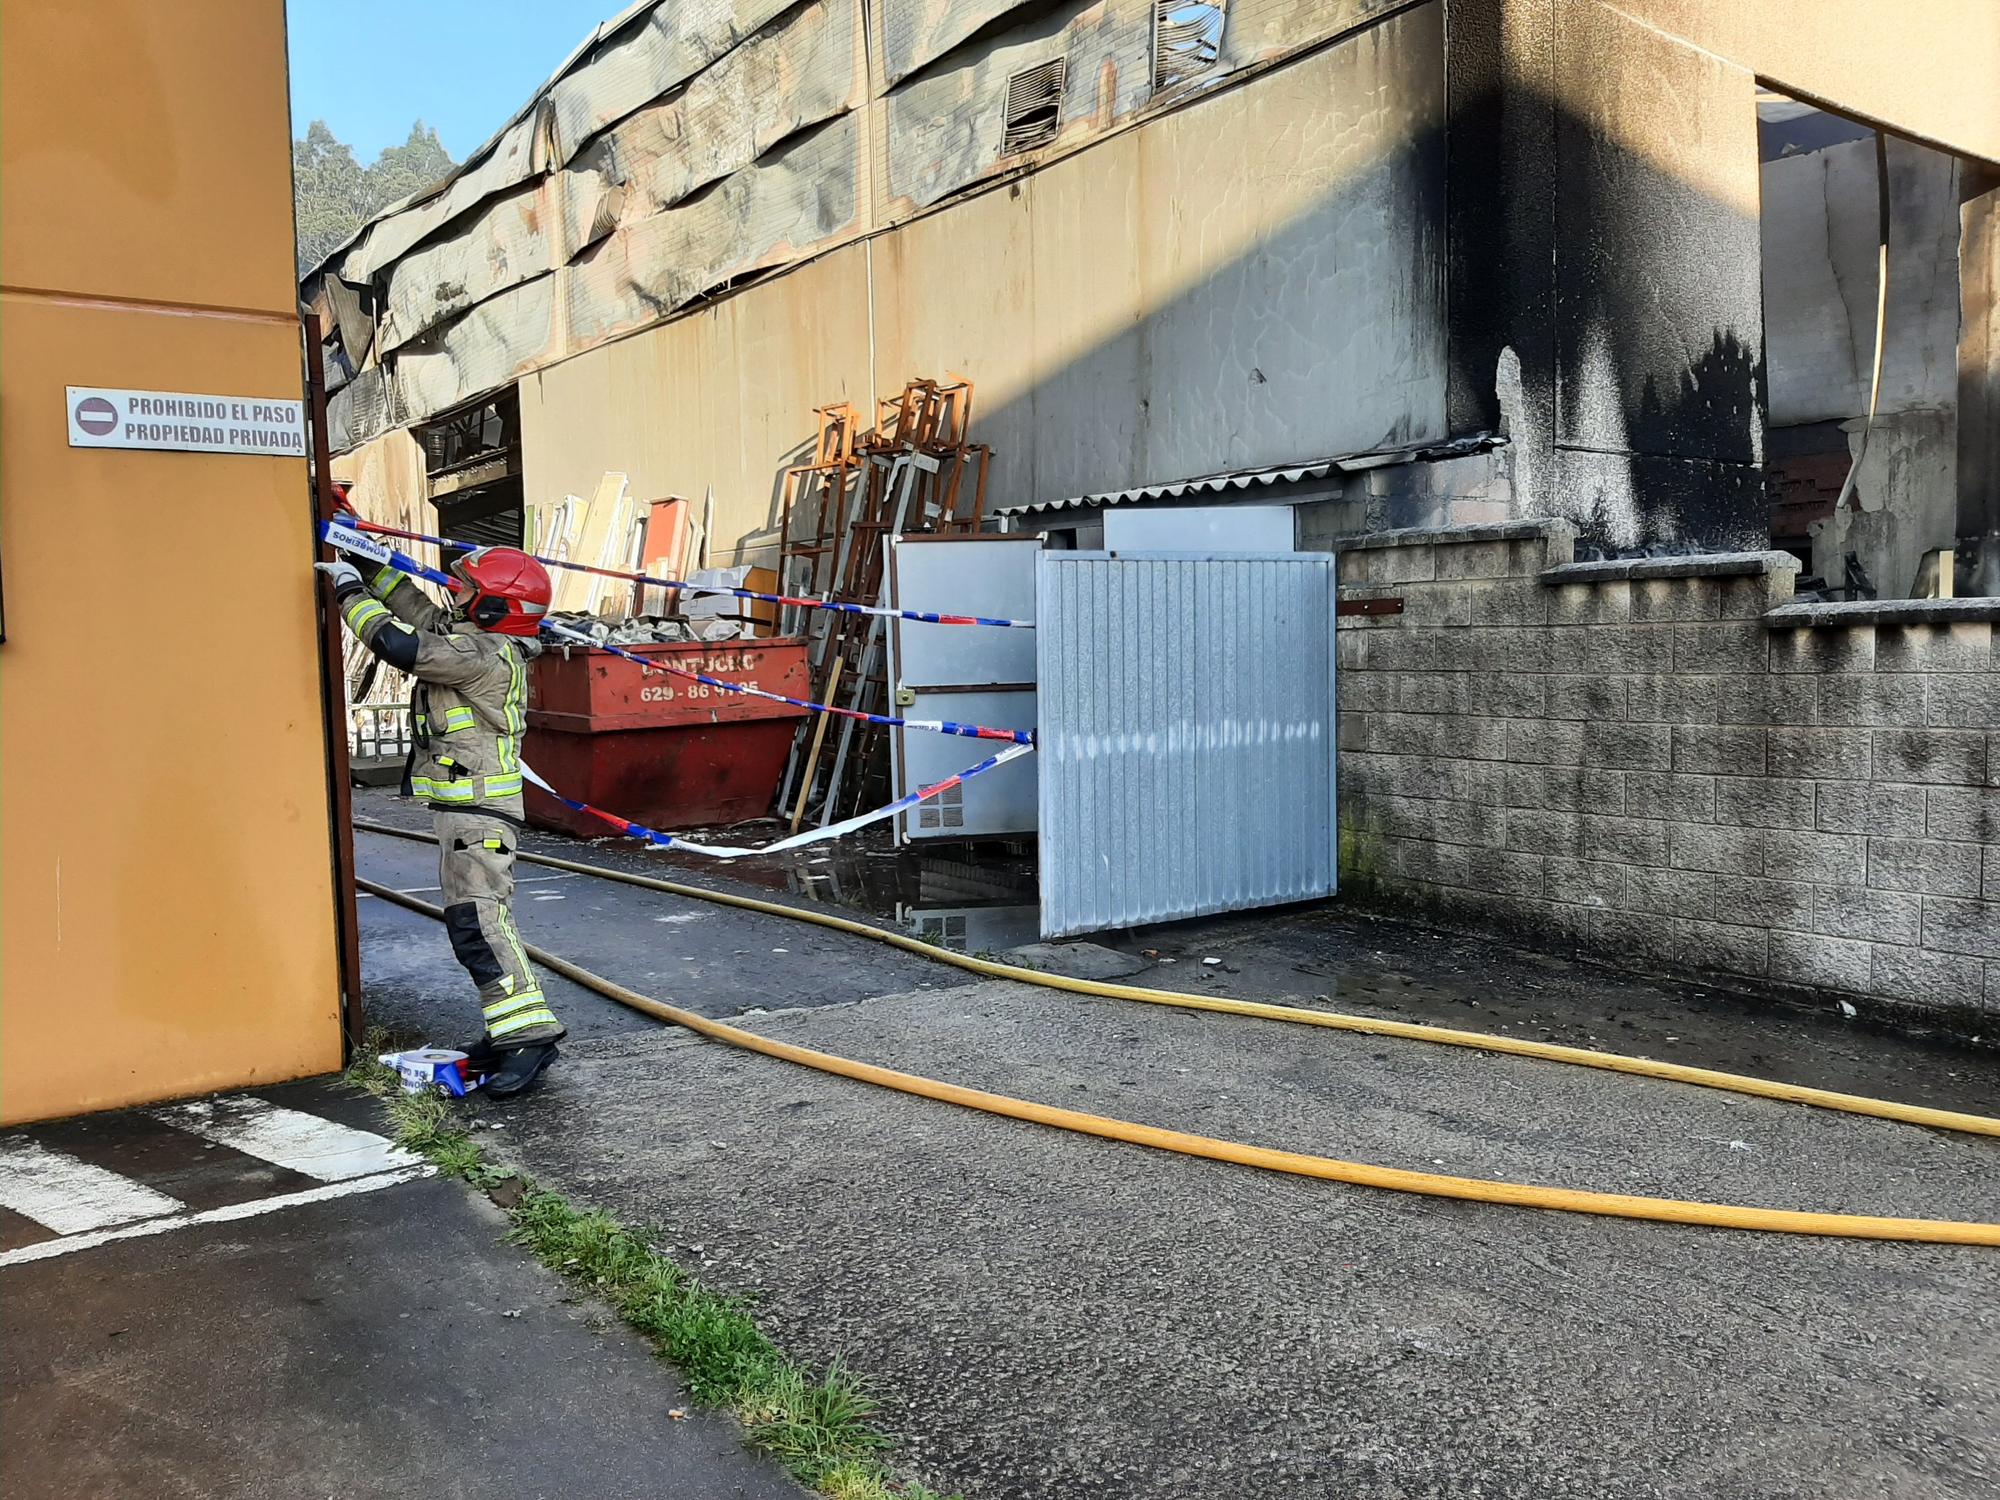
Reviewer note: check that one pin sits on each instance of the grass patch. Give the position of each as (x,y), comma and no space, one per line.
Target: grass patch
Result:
(367,1074)
(818,1426)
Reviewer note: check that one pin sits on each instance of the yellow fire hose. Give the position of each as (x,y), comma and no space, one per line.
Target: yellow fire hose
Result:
(1361,1174)
(1612,1062)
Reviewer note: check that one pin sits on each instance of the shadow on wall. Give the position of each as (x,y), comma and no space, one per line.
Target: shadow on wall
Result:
(773,529)
(1605,242)
(1203,312)
(1157,347)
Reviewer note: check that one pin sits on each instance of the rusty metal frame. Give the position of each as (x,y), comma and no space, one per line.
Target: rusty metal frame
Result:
(908,471)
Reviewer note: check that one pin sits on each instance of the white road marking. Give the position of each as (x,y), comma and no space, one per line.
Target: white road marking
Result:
(48,1249)
(69,1196)
(289,1137)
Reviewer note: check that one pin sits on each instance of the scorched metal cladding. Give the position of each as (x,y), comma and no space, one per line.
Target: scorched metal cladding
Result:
(685,147)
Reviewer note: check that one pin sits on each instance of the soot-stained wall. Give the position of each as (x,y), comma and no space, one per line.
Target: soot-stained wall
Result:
(1604,269)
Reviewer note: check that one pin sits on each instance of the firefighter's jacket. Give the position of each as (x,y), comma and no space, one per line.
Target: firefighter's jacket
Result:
(470,706)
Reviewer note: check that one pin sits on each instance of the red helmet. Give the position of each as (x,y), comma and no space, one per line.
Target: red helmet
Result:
(506,591)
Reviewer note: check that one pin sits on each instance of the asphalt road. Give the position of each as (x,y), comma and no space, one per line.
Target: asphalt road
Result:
(1049,1315)
(710,959)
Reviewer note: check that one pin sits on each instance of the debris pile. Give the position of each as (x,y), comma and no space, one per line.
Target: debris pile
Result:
(688,618)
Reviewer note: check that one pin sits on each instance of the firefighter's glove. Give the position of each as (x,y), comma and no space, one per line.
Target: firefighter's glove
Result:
(342,575)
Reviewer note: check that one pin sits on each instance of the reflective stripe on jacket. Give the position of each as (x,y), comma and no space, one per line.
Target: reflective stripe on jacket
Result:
(470,707)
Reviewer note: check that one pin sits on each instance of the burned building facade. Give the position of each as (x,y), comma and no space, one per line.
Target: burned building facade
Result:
(1394,263)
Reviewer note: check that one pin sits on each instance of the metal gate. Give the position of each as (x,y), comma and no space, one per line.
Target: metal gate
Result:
(1186,735)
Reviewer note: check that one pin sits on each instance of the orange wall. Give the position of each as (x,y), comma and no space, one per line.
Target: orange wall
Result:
(166,884)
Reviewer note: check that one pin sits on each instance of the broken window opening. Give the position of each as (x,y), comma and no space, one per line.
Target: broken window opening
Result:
(472,470)
(1878,287)
(1034,107)
(1187,40)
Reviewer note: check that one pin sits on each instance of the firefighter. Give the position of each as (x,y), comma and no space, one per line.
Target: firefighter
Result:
(469,709)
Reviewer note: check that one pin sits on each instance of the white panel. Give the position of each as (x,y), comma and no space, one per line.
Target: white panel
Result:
(1000,803)
(968,674)
(990,576)
(1200,528)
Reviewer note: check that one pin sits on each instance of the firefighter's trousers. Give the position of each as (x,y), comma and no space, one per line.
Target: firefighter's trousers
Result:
(476,871)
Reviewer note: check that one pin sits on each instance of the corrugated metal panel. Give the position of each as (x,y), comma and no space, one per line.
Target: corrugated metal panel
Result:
(947,128)
(1243,479)
(631,58)
(798,72)
(1186,736)
(360,410)
(478,351)
(669,47)
(915,32)
(800,197)
(511,241)
(515,156)
(795,200)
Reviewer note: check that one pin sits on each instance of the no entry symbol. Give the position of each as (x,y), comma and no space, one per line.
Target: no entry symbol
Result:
(96,416)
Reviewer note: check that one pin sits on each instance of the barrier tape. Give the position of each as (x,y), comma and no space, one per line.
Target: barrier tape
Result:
(933,726)
(921,616)
(724,851)
(344,538)
(334,534)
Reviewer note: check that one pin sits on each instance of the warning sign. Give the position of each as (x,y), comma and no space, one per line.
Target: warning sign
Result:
(185,422)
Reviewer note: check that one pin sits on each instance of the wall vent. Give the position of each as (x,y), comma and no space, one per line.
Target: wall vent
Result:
(1034,107)
(948,932)
(1187,39)
(945,810)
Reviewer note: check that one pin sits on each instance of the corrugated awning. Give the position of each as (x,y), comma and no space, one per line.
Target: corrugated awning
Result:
(1246,479)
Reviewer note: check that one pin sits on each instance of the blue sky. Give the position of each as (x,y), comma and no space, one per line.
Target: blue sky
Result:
(371,67)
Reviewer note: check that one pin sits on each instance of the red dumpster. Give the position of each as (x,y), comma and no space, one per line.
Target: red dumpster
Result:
(661,750)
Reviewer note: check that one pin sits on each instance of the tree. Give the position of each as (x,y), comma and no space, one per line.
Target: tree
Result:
(418,163)
(334,195)
(329,193)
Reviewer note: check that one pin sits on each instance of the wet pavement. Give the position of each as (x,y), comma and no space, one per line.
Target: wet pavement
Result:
(1046,1314)
(300,1313)
(711,959)
(1331,957)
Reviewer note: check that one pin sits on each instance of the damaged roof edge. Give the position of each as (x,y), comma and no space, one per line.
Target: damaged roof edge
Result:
(603,31)
(1243,479)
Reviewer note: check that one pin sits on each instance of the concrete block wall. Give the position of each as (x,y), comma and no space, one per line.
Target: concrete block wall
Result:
(1670,763)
